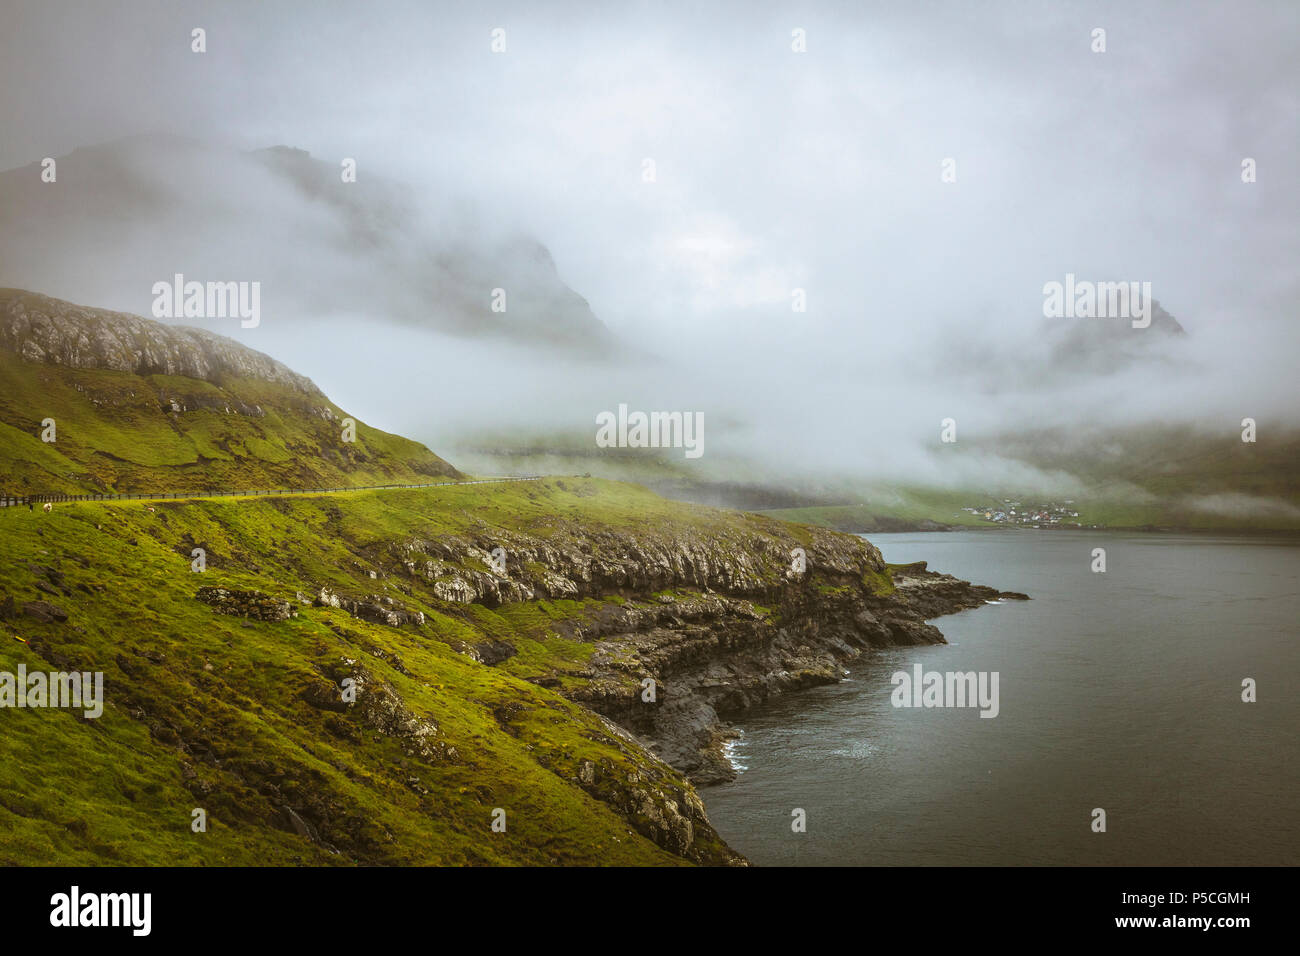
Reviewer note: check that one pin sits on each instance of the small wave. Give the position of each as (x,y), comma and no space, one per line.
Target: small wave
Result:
(730,750)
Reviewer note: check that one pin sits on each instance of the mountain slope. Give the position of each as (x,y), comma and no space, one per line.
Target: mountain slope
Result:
(142,406)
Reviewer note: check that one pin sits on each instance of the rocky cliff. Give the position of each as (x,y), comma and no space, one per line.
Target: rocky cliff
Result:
(717,620)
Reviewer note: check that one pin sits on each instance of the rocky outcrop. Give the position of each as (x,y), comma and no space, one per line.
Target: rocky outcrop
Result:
(375,608)
(577,563)
(43,329)
(352,688)
(931,594)
(45,612)
(250,604)
(670,815)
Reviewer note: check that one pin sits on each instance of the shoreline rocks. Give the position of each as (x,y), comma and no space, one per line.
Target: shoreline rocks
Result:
(714,657)
(717,621)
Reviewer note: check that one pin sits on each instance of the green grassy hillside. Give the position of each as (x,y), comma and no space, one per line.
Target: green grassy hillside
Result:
(123,432)
(240,717)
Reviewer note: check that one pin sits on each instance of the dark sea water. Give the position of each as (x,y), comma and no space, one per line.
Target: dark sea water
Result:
(1119,690)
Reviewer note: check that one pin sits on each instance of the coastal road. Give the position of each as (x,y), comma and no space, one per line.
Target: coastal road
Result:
(16,501)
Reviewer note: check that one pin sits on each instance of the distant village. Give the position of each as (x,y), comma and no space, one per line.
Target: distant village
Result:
(1032,515)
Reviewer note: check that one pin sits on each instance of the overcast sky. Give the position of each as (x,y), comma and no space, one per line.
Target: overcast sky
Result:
(774,169)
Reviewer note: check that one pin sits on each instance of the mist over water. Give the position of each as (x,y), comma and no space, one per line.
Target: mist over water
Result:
(1119,690)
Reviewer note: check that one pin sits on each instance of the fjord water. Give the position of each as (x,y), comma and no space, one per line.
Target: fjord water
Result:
(1119,690)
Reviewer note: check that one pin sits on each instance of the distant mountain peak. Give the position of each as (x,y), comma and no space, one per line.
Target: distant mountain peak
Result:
(1163,321)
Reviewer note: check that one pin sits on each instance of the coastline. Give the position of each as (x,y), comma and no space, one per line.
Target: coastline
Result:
(714,657)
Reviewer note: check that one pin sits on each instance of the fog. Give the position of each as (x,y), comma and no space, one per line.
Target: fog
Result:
(774,171)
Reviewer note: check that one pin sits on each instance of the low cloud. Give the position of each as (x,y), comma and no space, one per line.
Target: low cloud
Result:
(779,177)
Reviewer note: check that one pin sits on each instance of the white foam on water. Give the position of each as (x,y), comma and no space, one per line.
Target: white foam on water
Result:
(731,750)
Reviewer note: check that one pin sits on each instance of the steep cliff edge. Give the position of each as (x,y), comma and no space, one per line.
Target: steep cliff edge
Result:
(716,657)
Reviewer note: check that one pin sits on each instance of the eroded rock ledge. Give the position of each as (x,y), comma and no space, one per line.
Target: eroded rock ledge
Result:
(718,620)
(713,656)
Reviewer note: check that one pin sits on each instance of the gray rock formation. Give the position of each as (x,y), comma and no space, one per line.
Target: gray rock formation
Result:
(250,604)
(43,329)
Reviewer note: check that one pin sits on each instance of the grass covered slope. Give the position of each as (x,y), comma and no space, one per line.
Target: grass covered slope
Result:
(243,717)
(126,421)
